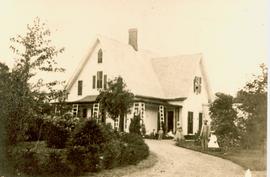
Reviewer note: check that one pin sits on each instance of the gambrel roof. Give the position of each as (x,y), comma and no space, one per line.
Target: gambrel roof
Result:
(145,73)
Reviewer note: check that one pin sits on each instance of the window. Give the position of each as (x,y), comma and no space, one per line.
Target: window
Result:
(100,56)
(197,84)
(105,81)
(94,82)
(190,122)
(99,79)
(84,113)
(80,85)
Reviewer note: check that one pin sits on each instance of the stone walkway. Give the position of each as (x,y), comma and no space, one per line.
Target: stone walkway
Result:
(179,162)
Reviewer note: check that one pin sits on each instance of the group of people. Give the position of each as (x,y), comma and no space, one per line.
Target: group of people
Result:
(207,138)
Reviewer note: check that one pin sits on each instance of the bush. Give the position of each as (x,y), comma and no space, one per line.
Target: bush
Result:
(58,130)
(85,147)
(135,125)
(189,137)
(133,150)
(112,154)
(143,130)
(56,165)
(28,163)
(91,147)
(35,130)
(56,136)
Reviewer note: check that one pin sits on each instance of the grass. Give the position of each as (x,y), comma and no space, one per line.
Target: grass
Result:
(253,159)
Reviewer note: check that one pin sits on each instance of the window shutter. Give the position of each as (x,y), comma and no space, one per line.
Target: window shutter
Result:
(200,87)
(80,83)
(94,82)
(105,81)
(200,121)
(190,122)
(194,85)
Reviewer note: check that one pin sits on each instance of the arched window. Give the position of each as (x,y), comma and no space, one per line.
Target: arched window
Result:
(100,56)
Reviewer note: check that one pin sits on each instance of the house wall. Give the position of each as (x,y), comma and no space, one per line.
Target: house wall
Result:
(90,69)
(196,103)
(151,118)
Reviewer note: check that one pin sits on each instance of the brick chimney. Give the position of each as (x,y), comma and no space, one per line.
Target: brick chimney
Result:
(133,37)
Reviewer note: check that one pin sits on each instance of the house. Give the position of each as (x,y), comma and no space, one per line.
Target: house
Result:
(169,91)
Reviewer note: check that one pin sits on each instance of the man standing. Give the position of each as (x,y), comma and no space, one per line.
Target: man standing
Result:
(205,131)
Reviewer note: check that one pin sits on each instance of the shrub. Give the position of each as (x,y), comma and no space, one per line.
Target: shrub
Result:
(85,147)
(56,165)
(135,125)
(189,137)
(56,136)
(143,130)
(112,154)
(197,140)
(35,130)
(28,163)
(133,150)
(109,133)
(58,130)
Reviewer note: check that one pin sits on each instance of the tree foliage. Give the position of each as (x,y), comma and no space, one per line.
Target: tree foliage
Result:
(116,100)
(223,117)
(252,101)
(24,99)
(135,125)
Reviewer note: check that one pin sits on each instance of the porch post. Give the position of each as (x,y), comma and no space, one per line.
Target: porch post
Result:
(161,117)
(96,113)
(75,109)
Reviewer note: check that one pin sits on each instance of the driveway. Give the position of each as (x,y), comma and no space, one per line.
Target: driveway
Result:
(174,161)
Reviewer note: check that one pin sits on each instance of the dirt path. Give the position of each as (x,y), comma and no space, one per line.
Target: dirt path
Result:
(179,162)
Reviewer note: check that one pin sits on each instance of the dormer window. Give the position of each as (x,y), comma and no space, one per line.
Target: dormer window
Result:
(197,85)
(100,56)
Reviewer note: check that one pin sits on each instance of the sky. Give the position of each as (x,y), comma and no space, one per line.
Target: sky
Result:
(231,35)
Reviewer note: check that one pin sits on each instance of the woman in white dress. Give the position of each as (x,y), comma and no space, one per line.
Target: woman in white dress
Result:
(213,141)
(179,134)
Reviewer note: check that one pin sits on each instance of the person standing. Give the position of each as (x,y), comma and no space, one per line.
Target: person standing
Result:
(204,135)
(179,134)
(160,134)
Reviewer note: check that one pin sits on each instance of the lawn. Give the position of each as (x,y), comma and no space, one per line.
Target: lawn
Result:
(254,160)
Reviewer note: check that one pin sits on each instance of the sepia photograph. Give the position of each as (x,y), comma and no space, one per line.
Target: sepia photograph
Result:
(133,88)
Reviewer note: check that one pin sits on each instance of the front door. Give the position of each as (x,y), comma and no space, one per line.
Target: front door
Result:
(170,121)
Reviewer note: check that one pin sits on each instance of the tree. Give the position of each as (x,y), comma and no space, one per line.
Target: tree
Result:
(135,125)
(223,117)
(116,100)
(34,52)
(252,101)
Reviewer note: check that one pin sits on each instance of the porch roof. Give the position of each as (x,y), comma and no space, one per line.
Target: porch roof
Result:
(86,99)
(159,101)
(146,99)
